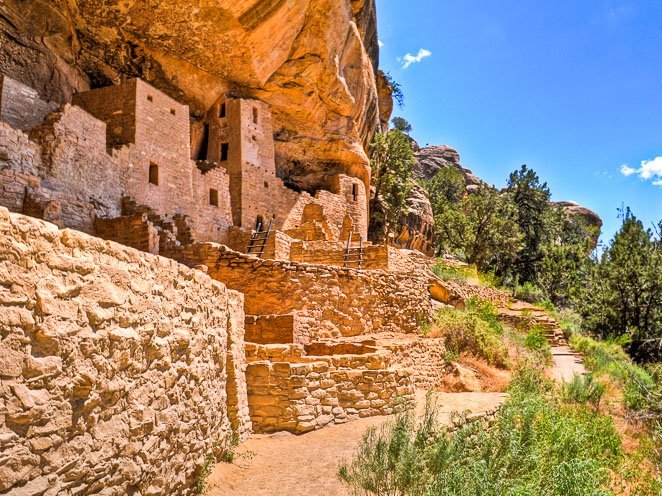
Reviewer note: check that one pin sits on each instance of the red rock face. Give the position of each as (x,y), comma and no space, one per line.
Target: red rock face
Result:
(313,61)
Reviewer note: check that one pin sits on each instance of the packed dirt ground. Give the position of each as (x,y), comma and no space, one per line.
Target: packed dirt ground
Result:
(285,464)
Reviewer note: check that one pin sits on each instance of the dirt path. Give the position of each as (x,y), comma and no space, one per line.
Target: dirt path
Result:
(566,364)
(288,465)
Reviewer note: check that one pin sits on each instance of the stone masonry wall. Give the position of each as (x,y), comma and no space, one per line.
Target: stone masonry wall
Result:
(300,397)
(337,301)
(21,106)
(118,369)
(423,357)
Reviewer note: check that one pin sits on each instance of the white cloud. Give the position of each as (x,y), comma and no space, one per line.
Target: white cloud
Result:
(626,170)
(650,169)
(380,43)
(410,59)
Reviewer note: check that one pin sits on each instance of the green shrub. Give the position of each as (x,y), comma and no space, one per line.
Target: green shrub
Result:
(641,391)
(537,342)
(465,331)
(569,321)
(490,280)
(583,389)
(537,445)
(529,292)
(487,312)
(452,274)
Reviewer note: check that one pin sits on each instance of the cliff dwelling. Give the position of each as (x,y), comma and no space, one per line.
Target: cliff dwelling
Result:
(289,287)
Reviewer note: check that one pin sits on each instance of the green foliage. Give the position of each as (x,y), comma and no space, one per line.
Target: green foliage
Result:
(401,125)
(396,90)
(474,330)
(219,452)
(625,291)
(487,312)
(531,200)
(446,273)
(641,392)
(392,161)
(528,292)
(482,228)
(538,445)
(584,389)
(450,356)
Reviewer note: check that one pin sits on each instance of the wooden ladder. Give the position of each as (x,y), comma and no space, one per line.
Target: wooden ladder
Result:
(259,240)
(353,255)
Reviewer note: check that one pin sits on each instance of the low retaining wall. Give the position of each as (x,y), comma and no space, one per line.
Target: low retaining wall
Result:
(301,397)
(119,369)
(422,357)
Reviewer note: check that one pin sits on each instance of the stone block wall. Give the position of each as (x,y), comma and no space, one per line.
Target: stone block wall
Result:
(423,357)
(271,329)
(135,231)
(336,301)
(118,369)
(116,106)
(20,106)
(70,180)
(374,257)
(301,397)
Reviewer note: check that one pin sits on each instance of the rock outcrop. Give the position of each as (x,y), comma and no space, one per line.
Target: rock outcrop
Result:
(432,159)
(417,223)
(314,61)
(588,216)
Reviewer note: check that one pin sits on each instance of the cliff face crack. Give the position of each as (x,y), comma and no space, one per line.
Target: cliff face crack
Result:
(259,12)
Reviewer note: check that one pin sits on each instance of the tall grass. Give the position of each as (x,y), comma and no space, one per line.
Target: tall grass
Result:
(584,389)
(538,445)
(640,391)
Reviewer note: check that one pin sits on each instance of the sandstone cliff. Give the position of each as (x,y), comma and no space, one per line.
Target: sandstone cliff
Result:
(432,159)
(314,61)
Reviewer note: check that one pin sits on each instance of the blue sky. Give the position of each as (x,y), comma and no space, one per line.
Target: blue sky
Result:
(573,88)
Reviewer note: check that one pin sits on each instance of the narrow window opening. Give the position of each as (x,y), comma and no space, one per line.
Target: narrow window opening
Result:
(213,197)
(150,98)
(221,111)
(225,148)
(154,174)
(266,184)
(204,144)
(254,115)
(173,112)
(355,192)
(259,222)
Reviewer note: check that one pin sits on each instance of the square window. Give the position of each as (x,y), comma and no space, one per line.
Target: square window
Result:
(213,197)
(150,98)
(172,111)
(266,184)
